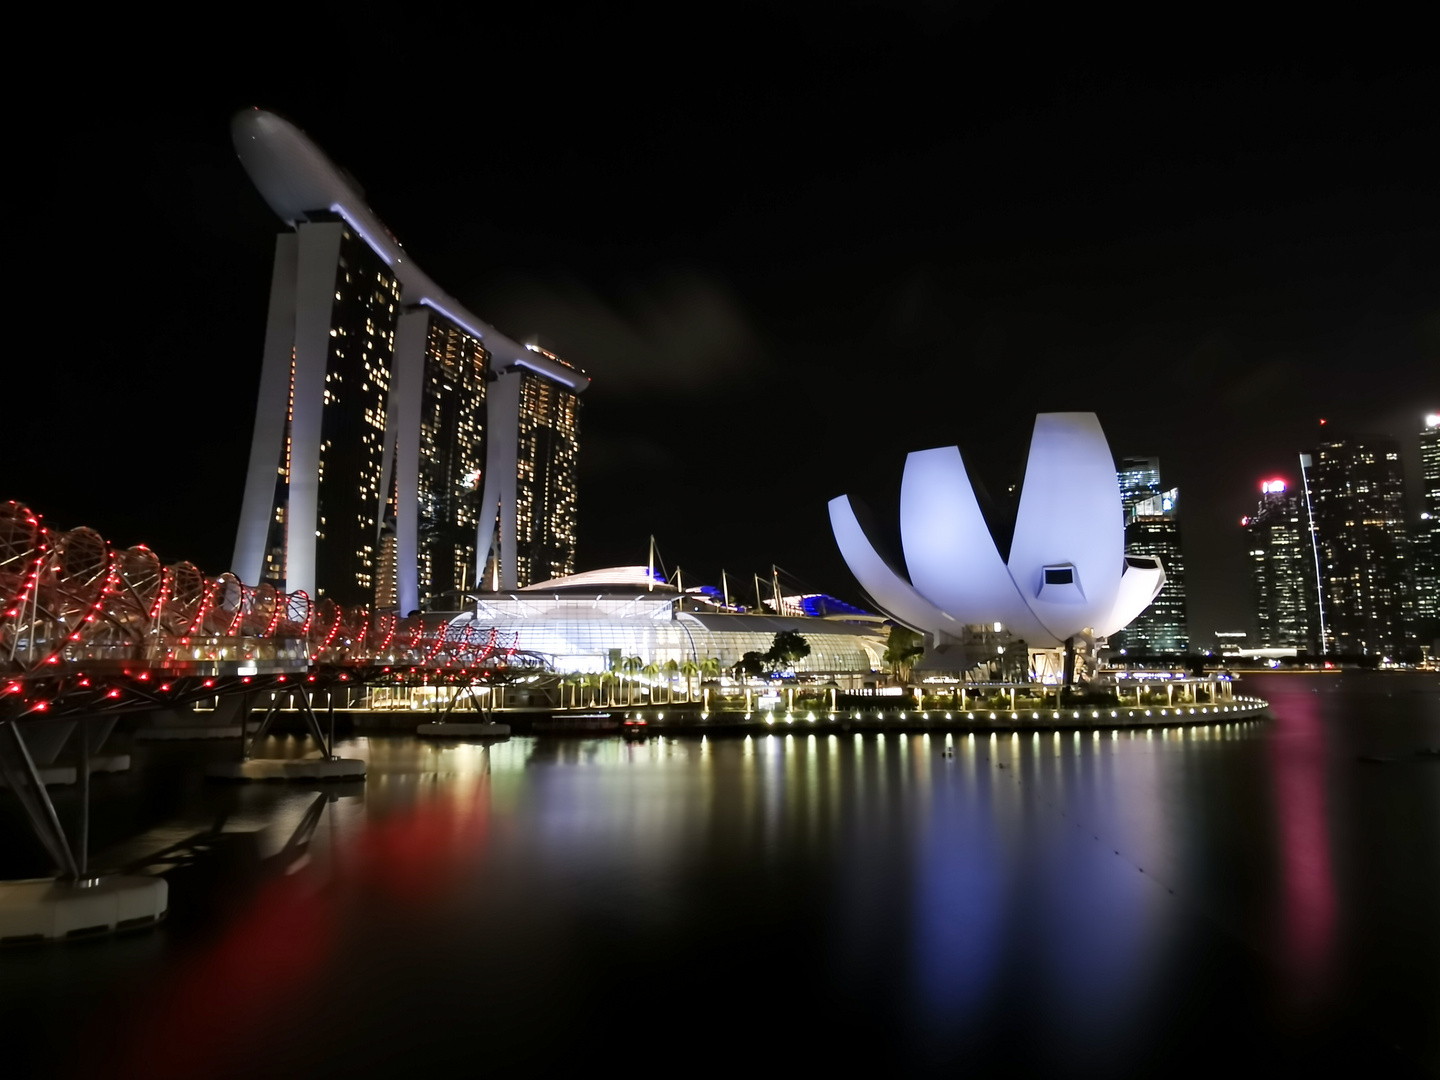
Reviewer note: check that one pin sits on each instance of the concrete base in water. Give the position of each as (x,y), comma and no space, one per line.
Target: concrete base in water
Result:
(50,910)
(194,731)
(288,769)
(68,774)
(450,729)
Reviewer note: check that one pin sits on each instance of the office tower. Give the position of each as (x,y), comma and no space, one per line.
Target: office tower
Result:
(365,496)
(1427,539)
(312,495)
(1282,570)
(1152,528)
(528,521)
(1357,490)
(1139,479)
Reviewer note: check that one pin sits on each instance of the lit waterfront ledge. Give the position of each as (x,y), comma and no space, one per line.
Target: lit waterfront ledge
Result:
(46,909)
(288,769)
(1084,718)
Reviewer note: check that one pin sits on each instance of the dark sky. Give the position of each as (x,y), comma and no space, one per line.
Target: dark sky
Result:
(788,250)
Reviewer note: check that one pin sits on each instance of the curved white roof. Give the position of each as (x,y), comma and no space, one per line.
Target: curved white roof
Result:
(296,179)
(625,578)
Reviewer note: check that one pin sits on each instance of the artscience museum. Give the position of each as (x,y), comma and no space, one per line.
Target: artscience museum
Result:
(1063,580)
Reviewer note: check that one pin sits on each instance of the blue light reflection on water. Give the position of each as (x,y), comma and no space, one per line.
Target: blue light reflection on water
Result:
(1054,903)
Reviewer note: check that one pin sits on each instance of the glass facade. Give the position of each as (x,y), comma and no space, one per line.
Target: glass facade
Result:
(1427,539)
(452,462)
(352,431)
(590,634)
(1358,492)
(546,480)
(1152,528)
(1282,571)
(352,428)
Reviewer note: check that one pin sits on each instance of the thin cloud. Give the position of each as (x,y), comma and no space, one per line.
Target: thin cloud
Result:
(683,332)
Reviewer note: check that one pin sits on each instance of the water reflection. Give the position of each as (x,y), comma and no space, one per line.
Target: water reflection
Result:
(1298,758)
(1051,902)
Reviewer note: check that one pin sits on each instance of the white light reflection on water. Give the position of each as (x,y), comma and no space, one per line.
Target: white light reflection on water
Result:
(1079,907)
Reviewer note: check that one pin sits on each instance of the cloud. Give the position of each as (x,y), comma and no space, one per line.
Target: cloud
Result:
(682,332)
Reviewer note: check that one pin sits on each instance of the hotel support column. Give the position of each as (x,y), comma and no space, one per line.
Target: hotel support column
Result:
(258,506)
(402,432)
(502,450)
(319,257)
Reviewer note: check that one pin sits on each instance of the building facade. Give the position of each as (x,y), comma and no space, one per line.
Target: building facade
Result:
(546,481)
(312,502)
(436,467)
(1357,490)
(1427,539)
(1282,570)
(1152,529)
(381,451)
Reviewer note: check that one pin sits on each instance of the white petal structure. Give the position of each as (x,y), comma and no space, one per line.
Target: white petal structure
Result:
(1067,572)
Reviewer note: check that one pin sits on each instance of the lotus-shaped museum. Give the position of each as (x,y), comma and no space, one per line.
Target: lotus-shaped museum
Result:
(1066,573)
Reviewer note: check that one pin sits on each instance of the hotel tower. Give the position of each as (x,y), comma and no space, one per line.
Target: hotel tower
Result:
(404,452)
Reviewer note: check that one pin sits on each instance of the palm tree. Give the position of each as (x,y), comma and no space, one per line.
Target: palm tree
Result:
(631,665)
(689,669)
(671,670)
(709,669)
(652,672)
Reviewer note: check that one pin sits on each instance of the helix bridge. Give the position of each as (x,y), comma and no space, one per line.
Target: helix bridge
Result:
(90,629)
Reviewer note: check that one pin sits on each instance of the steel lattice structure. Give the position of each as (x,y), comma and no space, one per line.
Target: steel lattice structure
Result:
(86,627)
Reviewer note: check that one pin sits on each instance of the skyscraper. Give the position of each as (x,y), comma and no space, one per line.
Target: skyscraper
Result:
(528,519)
(312,498)
(1139,479)
(1427,539)
(362,495)
(1282,570)
(1152,528)
(436,440)
(1358,493)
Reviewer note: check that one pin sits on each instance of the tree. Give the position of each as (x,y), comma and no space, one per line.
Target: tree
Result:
(787,649)
(671,670)
(752,664)
(631,666)
(903,646)
(651,672)
(689,669)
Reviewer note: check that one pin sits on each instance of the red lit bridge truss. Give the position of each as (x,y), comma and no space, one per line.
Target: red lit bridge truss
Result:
(89,628)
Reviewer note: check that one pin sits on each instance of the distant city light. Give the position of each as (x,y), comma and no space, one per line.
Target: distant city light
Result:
(1432,420)
(1272,487)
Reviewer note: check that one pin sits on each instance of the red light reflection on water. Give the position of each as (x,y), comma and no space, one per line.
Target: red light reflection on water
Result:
(264,970)
(1298,762)
(415,855)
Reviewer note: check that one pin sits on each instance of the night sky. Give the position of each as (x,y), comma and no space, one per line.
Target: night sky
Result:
(787,250)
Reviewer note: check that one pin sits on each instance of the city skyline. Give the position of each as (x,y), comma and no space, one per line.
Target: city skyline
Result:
(1053,250)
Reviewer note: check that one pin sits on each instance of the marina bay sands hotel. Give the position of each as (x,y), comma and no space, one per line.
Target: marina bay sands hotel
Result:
(405,452)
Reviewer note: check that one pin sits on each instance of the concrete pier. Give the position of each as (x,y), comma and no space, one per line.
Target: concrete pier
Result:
(48,909)
(67,774)
(293,770)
